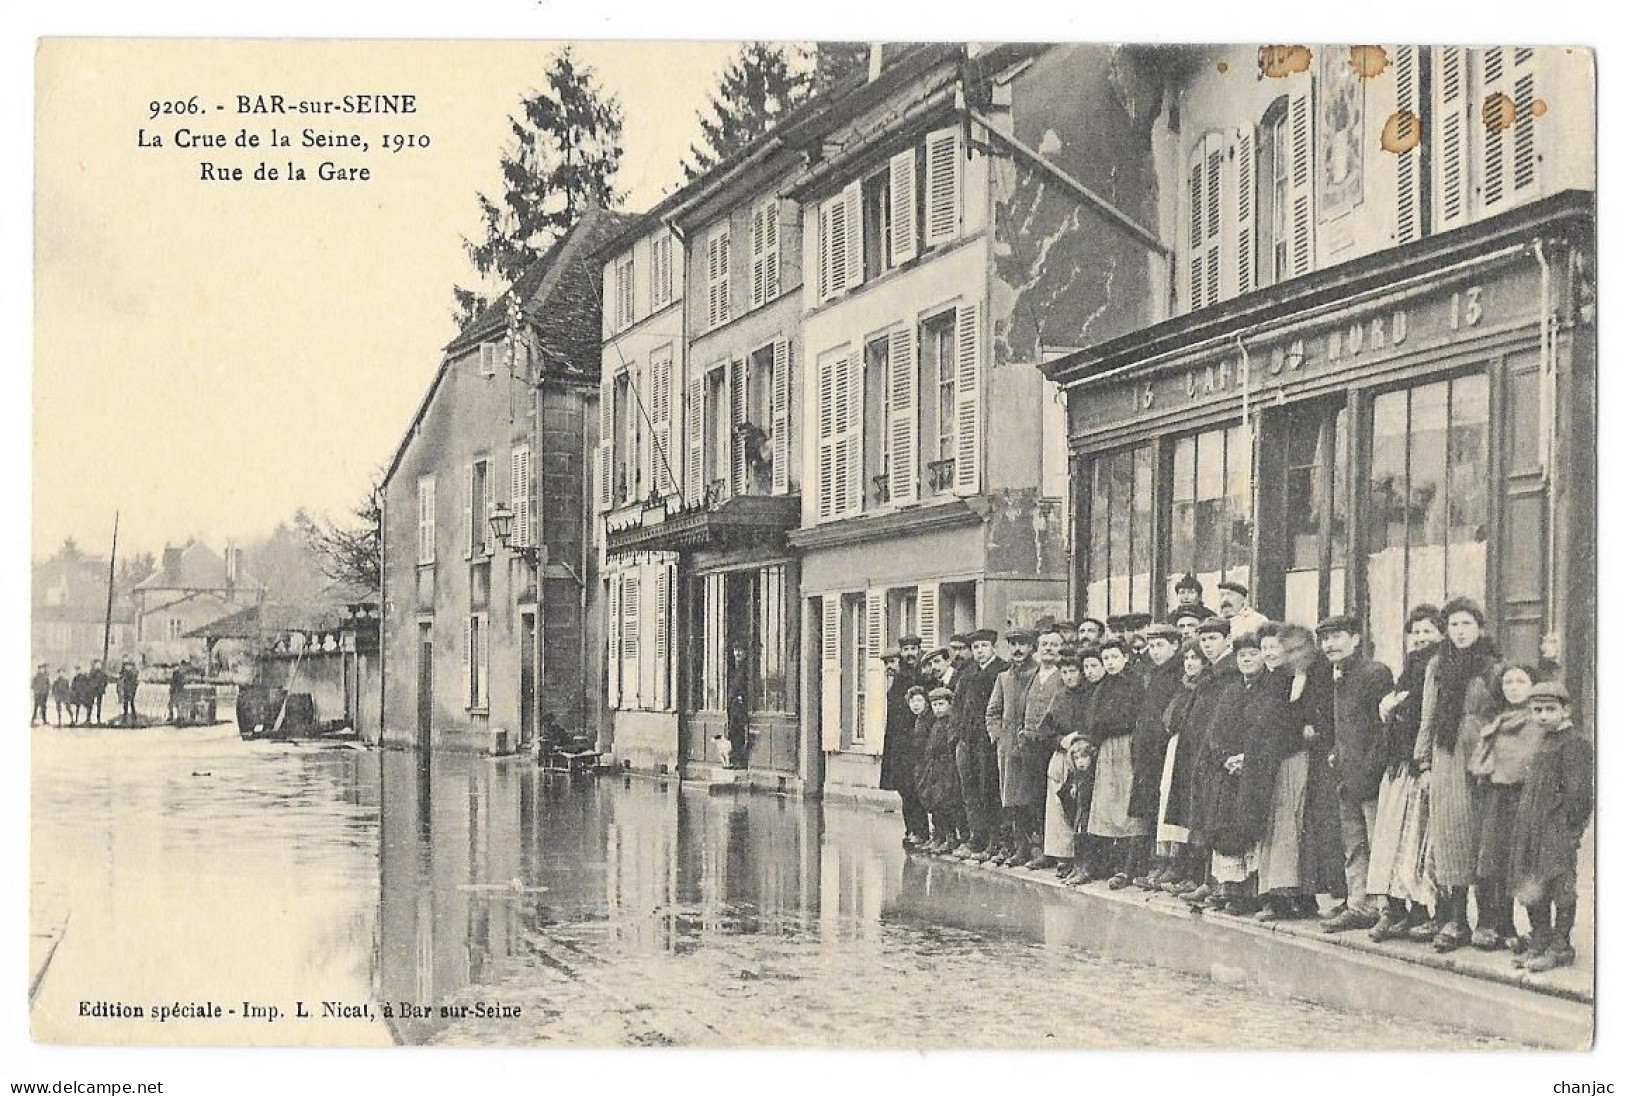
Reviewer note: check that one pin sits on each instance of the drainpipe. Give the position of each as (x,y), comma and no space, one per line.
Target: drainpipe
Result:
(1548,427)
(383,601)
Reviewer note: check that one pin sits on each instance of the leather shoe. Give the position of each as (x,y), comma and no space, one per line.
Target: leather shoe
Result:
(1559,956)
(1040,863)
(1349,919)
(1386,928)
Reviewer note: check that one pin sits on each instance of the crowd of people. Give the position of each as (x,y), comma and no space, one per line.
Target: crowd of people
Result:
(1256,767)
(78,698)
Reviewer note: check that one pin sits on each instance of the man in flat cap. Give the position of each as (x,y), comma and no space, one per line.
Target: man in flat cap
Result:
(976,755)
(1359,684)
(1006,715)
(900,754)
(1236,607)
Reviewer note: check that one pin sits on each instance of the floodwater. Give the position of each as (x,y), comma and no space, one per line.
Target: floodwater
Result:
(484,902)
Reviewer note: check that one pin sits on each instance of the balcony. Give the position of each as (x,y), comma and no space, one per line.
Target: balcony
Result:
(718,521)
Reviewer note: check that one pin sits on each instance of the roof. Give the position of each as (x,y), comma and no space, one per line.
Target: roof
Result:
(272,618)
(198,567)
(548,282)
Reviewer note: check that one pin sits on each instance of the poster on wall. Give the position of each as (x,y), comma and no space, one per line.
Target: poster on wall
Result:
(1340,128)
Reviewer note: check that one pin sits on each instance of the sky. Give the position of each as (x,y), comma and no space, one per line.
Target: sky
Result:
(211,355)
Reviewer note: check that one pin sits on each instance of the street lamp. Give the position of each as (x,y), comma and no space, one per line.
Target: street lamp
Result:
(502,529)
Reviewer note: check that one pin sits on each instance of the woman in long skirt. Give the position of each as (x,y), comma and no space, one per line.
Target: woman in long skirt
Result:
(1397,871)
(1173,820)
(1456,702)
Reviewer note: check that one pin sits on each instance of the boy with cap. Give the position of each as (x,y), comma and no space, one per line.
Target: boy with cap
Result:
(975,755)
(939,777)
(900,755)
(1553,812)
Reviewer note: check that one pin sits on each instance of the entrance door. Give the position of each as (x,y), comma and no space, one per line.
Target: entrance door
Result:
(425,683)
(527,680)
(1304,531)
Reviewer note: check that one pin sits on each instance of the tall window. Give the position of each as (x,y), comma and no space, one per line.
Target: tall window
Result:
(625,293)
(1120,532)
(1315,510)
(876,224)
(716,425)
(776,643)
(480,487)
(854,663)
(1212,513)
(1428,504)
(476,662)
(938,379)
(1274,175)
(660,283)
(625,449)
(876,412)
(426,519)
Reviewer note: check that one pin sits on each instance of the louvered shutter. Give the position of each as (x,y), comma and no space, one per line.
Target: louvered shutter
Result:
(1244,188)
(482,640)
(874,671)
(904,217)
(827,214)
(468,511)
(487,504)
(781,416)
(830,650)
(519,493)
(737,384)
(606,441)
(1300,185)
(1495,134)
(852,199)
(849,457)
(662,367)
(468,663)
(662,680)
(1451,139)
(903,417)
(612,659)
(1526,156)
(758,245)
(926,607)
(724,305)
(829,367)
(770,250)
(942,186)
(695,432)
(1196,283)
(968,401)
(1213,260)
(631,626)
(1408,164)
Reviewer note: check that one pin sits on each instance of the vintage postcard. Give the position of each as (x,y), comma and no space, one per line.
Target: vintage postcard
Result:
(813,544)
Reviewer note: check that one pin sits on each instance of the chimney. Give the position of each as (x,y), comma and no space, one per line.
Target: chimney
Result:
(231,564)
(877,60)
(172,564)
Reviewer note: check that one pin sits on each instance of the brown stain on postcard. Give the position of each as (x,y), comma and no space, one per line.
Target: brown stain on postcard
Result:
(1279,62)
(1499,112)
(1401,132)
(1368,61)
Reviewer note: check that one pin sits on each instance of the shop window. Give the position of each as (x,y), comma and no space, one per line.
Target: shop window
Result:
(1120,532)
(1315,511)
(1212,516)
(775,643)
(1428,502)
(956,603)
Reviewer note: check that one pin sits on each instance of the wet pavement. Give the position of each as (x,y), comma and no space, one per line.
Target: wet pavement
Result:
(508,906)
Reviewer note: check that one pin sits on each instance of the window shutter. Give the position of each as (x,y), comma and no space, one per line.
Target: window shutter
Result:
(519,493)
(482,640)
(830,645)
(1197,205)
(903,425)
(1494,83)
(631,605)
(827,213)
(926,607)
(723,304)
(696,439)
(736,419)
(874,671)
(663,637)
(1526,157)
(758,249)
(468,663)
(1408,165)
(904,219)
(612,660)
(1213,262)
(770,250)
(487,500)
(849,454)
(661,365)
(1244,171)
(1451,149)
(1300,185)
(781,416)
(606,441)
(852,199)
(968,401)
(468,511)
(829,368)
(942,186)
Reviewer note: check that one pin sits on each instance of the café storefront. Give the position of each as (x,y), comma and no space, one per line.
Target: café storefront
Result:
(1398,429)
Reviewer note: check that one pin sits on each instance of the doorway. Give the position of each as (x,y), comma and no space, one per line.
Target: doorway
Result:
(425,683)
(527,681)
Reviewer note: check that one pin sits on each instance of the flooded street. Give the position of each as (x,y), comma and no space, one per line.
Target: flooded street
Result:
(193,867)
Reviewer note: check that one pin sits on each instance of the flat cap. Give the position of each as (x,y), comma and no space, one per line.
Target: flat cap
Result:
(984,635)
(962,638)
(910,641)
(1162,631)
(1550,690)
(1235,587)
(1338,622)
(940,652)
(1021,635)
(942,692)
(1214,624)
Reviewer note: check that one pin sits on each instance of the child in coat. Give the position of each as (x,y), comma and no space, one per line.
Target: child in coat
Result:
(1554,809)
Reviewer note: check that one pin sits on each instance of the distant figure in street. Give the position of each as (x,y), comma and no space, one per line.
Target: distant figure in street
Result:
(62,693)
(128,682)
(41,685)
(96,689)
(177,682)
(79,696)
(738,707)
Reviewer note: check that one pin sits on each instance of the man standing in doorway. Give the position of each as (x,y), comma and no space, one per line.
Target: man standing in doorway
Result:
(738,706)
